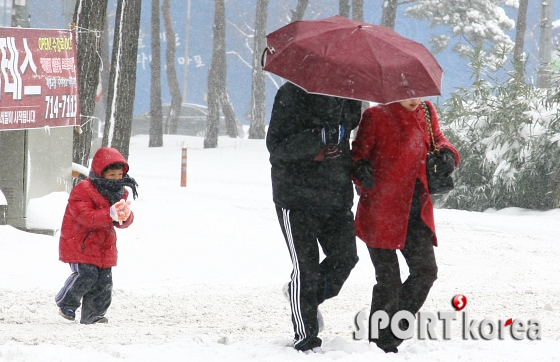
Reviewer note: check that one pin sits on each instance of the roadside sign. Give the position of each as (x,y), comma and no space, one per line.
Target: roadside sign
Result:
(38,78)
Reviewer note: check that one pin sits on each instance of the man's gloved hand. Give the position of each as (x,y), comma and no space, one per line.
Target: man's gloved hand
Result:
(363,171)
(120,211)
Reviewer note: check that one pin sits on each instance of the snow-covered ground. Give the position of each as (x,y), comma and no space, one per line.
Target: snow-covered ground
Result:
(201,269)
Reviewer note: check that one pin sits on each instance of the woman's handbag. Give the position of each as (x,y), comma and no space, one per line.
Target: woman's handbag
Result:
(438,168)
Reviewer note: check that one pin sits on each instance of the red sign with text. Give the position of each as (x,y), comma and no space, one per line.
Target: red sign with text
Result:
(38,78)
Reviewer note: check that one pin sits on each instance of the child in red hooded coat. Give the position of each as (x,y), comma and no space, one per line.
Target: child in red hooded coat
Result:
(88,240)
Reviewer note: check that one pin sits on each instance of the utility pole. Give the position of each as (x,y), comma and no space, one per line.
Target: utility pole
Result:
(545,47)
(20,15)
(187,34)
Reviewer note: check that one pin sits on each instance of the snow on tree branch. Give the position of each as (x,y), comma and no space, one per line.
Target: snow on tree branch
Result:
(472,23)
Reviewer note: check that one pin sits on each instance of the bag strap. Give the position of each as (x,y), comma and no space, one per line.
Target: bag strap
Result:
(428,116)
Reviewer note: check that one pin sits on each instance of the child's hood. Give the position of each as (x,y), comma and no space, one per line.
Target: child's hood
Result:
(106,156)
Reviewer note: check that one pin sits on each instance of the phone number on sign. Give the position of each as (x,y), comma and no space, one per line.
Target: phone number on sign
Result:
(64,106)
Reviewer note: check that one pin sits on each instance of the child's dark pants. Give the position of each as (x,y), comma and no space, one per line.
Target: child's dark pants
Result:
(91,285)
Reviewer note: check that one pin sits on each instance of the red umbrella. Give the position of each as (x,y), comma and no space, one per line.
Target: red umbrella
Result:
(345,58)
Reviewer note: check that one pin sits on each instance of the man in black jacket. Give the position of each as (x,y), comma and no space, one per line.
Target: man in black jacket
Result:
(308,141)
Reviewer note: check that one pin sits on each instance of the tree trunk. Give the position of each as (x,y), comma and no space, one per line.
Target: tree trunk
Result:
(344,8)
(227,109)
(122,80)
(156,117)
(358,15)
(520,40)
(212,121)
(217,93)
(101,102)
(358,10)
(90,15)
(389,15)
(172,81)
(299,12)
(258,92)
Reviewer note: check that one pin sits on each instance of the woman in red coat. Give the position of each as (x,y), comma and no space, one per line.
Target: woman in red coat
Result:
(395,210)
(88,241)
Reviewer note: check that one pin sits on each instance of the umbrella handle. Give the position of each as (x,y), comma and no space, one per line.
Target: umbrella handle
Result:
(263,56)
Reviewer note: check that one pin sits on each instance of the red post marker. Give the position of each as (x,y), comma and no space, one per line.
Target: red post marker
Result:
(184,167)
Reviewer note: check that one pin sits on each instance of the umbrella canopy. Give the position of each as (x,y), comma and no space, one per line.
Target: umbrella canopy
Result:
(345,58)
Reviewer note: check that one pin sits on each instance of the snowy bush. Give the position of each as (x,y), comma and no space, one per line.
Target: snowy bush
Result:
(508,138)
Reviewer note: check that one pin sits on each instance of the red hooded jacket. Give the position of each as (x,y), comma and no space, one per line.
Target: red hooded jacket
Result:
(87,235)
(396,142)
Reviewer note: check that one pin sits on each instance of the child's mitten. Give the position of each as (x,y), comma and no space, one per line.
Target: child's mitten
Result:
(126,209)
(117,211)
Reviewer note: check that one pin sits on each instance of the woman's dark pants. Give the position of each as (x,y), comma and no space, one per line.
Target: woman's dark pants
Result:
(390,294)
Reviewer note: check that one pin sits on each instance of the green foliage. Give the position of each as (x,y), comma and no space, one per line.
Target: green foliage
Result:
(508,136)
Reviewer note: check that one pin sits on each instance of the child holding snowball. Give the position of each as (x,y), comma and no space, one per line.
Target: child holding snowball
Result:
(88,239)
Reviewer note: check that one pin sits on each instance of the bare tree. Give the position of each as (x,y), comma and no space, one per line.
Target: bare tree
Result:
(122,79)
(299,12)
(212,119)
(358,15)
(389,15)
(173,116)
(344,8)
(217,92)
(101,101)
(89,17)
(258,92)
(358,10)
(156,116)
(518,57)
